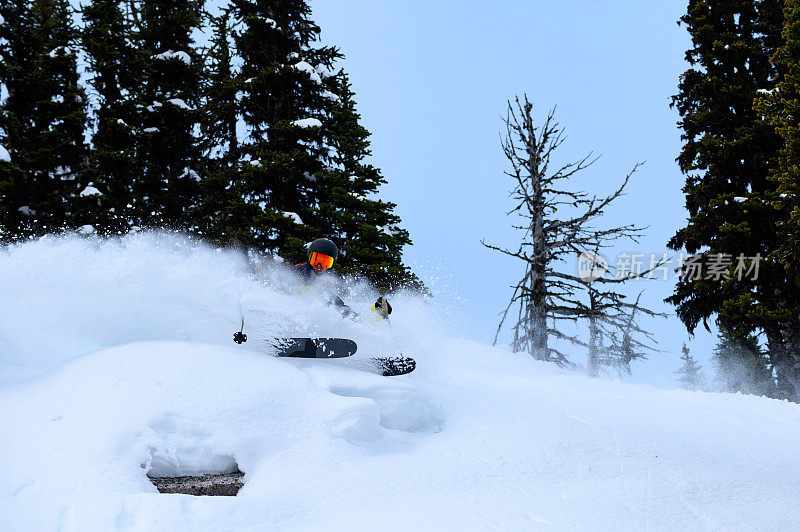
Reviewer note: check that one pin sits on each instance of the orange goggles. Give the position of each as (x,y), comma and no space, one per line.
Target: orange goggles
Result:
(323,260)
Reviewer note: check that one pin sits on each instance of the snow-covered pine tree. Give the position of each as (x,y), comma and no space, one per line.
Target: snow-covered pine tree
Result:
(780,107)
(366,227)
(219,207)
(42,119)
(690,373)
(741,365)
(283,104)
(167,151)
(116,65)
(220,104)
(726,158)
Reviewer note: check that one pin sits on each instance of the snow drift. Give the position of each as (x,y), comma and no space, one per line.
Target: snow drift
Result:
(116,360)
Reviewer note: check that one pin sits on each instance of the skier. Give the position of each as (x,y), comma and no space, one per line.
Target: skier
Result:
(322,253)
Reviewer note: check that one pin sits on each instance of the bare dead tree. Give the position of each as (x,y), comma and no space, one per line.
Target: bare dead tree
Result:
(547,295)
(627,340)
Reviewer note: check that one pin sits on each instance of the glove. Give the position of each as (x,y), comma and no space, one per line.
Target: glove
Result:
(382,307)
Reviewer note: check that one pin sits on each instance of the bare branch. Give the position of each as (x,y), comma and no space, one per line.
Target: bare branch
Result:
(546,294)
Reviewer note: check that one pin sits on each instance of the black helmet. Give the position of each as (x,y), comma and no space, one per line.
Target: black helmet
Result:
(325,247)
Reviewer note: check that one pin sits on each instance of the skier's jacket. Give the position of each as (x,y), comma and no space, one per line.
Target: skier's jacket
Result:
(382,307)
(307,273)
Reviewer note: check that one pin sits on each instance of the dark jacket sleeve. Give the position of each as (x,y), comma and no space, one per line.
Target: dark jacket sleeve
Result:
(307,273)
(305,270)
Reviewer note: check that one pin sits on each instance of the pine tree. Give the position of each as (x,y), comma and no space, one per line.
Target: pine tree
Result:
(220,106)
(366,228)
(301,171)
(726,157)
(115,68)
(691,374)
(220,212)
(283,81)
(741,365)
(42,120)
(779,107)
(167,150)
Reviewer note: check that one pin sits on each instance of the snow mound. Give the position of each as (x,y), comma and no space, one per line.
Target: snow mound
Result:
(118,362)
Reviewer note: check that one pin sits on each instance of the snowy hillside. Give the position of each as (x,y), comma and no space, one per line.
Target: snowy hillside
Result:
(116,360)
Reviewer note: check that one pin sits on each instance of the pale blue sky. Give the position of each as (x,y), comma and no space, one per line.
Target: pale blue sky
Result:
(432,79)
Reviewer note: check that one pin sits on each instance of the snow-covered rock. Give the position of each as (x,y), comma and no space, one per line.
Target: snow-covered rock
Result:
(4,155)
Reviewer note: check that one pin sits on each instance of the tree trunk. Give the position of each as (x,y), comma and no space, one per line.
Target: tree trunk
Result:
(593,365)
(784,351)
(789,381)
(539,266)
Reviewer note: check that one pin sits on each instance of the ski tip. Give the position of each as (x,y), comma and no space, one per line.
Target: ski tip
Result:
(394,366)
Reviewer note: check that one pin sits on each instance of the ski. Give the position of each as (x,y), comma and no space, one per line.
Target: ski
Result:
(389,366)
(314,347)
(393,366)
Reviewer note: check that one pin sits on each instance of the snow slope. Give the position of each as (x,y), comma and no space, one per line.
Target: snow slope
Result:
(117,359)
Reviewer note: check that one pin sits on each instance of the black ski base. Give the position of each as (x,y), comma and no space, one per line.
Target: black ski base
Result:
(343,348)
(393,366)
(315,347)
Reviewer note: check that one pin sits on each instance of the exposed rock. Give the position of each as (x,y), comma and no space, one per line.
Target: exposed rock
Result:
(226,484)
